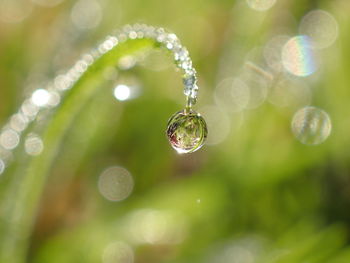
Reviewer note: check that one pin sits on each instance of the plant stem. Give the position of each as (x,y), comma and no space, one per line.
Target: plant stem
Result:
(18,209)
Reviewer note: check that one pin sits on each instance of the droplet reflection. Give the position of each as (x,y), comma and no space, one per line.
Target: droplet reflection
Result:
(115,183)
(187,131)
(40,97)
(311,125)
(122,92)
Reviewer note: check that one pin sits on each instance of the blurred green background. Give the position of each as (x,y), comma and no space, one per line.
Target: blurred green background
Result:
(268,187)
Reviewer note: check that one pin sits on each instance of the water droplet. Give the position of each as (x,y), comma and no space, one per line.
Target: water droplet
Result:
(311,125)
(187,131)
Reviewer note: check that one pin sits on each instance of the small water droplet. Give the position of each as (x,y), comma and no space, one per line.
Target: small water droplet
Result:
(187,131)
(311,125)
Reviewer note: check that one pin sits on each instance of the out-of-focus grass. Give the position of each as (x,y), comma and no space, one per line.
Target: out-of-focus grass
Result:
(260,196)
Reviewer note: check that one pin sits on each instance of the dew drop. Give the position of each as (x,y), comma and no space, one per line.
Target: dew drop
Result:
(311,125)
(187,131)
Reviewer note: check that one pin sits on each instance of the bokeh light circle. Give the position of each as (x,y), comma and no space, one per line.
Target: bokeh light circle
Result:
(273,52)
(115,183)
(150,226)
(261,5)
(218,123)
(86,14)
(290,92)
(118,252)
(232,94)
(9,139)
(33,145)
(311,125)
(12,11)
(298,56)
(321,27)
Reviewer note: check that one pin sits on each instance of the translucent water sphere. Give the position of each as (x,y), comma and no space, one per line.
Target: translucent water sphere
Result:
(187,131)
(311,125)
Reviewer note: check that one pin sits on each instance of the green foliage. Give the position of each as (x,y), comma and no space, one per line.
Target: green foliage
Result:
(259,196)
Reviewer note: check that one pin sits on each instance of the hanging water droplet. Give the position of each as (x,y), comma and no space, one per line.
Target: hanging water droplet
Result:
(187,131)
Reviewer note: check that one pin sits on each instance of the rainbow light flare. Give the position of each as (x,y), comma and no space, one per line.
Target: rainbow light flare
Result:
(298,57)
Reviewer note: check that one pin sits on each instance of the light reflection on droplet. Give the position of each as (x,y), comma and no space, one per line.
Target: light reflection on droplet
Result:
(298,56)
(86,14)
(261,5)
(321,27)
(311,125)
(14,11)
(115,183)
(118,252)
(273,51)
(232,94)
(33,145)
(126,88)
(288,92)
(40,97)
(218,124)
(157,227)
(9,139)
(122,92)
